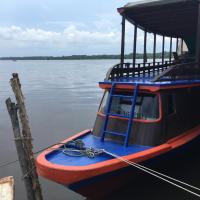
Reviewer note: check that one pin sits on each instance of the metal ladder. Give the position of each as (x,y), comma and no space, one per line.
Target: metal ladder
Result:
(130,118)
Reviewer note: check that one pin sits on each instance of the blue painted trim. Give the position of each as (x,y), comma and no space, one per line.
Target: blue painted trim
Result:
(107,112)
(130,121)
(130,118)
(150,83)
(116,133)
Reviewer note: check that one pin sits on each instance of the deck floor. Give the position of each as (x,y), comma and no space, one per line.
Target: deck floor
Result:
(58,157)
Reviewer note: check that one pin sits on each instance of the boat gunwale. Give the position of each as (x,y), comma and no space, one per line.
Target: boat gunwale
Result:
(173,143)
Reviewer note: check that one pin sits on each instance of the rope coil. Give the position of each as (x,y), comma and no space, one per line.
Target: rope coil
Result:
(92,153)
(77,148)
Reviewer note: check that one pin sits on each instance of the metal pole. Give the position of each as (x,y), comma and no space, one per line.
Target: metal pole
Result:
(197,56)
(154,50)
(122,41)
(170,50)
(145,47)
(134,45)
(163,50)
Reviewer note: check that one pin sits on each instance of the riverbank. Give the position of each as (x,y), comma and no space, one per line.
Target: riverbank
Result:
(85,57)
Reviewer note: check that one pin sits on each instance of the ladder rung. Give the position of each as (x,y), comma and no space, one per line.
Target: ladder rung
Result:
(115,133)
(117,115)
(116,95)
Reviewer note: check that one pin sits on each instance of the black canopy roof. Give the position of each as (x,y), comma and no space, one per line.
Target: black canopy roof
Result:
(173,18)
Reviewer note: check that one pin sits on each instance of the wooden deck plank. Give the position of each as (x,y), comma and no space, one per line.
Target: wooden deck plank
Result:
(7,188)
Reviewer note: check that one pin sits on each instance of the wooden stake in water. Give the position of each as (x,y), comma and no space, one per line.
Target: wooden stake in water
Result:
(23,140)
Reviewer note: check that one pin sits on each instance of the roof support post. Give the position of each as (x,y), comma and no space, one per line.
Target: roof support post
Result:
(170,50)
(197,59)
(154,49)
(177,45)
(181,45)
(122,41)
(163,50)
(145,48)
(134,45)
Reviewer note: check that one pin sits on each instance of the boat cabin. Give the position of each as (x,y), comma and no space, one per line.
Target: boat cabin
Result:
(152,101)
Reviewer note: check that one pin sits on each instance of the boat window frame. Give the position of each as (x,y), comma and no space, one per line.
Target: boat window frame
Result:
(160,112)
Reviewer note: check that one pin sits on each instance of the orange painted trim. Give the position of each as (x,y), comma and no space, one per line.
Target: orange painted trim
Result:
(130,87)
(146,87)
(70,174)
(142,120)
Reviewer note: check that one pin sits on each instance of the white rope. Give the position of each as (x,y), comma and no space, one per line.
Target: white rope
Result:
(157,174)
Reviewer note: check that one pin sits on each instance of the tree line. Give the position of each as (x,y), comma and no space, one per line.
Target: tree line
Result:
(85,57)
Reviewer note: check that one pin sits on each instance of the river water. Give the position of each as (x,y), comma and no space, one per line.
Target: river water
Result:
(62,98)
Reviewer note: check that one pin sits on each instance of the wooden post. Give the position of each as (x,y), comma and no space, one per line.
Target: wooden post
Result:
(181,46)
(123,41)
(177,41)
(23,141)
(154,49)
(163,50)
(134,45)
(12,110)
(170,50)
(145,47)
(197,56)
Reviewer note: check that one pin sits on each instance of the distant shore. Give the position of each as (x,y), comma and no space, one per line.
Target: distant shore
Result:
(84,57)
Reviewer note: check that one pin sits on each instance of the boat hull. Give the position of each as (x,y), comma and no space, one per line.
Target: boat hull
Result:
(111,182)
(112,174)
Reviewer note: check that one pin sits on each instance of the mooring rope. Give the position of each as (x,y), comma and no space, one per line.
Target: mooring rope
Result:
(77,148)
(157,174)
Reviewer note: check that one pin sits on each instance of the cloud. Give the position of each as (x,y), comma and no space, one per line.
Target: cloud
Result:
(71,39)
(74,39)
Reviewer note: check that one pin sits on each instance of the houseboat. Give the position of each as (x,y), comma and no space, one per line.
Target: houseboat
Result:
(148,109)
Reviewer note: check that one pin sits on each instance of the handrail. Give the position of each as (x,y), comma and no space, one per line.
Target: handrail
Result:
(138,70)
(157,72)
(181,71)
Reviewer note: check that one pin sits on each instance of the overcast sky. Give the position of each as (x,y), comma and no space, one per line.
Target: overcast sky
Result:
(61,27)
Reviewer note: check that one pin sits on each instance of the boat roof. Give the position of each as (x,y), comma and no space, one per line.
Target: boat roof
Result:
(147,83)
(153,77)
(173,18)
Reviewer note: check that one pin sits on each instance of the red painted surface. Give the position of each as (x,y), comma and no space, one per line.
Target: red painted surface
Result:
(129,87)
(71,174)
(146,87)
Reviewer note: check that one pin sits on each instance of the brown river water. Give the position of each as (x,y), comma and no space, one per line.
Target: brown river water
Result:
(62,98)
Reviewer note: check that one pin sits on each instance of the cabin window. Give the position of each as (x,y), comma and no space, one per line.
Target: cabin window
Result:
(170,104)
(147,106)
(104,100)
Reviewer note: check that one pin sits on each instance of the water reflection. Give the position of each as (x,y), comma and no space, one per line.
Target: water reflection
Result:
(62,98)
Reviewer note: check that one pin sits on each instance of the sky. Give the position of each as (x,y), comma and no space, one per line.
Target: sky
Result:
(63,27)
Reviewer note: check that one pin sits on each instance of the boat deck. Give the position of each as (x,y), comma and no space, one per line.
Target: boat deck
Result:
(58,157)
